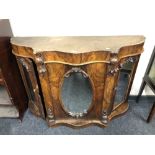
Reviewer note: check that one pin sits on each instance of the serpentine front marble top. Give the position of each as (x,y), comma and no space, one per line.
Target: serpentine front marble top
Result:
(77,44)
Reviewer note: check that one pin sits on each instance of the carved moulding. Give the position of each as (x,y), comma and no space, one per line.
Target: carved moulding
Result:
(76,70)
(41,67)
(116,65)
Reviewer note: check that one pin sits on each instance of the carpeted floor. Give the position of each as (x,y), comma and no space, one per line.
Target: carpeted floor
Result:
(133,122)
(75,98)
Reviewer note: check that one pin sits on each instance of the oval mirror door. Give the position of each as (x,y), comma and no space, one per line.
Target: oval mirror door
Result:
(76,94)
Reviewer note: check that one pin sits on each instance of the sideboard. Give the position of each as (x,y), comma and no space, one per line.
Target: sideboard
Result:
(103,66)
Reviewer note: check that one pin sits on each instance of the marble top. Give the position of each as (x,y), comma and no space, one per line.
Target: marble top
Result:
(77,44)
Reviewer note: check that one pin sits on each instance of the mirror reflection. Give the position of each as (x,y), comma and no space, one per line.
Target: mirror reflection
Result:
(123,81)
(76,94)
(29,85)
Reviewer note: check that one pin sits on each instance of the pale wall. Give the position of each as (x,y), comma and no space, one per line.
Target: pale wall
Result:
(85,17)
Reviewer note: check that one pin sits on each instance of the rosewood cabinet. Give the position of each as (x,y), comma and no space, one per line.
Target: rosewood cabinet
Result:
(102,66)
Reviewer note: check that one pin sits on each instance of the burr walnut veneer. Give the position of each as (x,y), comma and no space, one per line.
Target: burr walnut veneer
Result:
(45,62)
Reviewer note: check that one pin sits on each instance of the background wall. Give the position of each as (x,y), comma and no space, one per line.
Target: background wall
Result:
(85,17)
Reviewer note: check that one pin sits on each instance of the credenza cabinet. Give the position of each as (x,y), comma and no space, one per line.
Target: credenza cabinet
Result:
(78,81)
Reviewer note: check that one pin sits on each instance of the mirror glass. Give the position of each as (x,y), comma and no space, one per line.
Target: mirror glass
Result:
(123,82)
(29,84)
(76,94)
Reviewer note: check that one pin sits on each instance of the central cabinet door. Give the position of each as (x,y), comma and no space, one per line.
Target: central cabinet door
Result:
(77,91)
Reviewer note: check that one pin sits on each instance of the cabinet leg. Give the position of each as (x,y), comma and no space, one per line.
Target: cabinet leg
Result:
(151,113)
(141,90)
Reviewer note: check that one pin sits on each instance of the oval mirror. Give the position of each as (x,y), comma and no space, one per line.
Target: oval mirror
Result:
(76,94)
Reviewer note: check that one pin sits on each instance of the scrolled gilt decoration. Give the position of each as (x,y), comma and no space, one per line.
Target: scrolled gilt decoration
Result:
(76,70)
(78,115)
(104,117)
(41,65)
(115,66)
(50,113)
(113,59)
(132,59)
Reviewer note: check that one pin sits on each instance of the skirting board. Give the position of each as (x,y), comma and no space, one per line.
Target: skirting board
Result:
(143,98)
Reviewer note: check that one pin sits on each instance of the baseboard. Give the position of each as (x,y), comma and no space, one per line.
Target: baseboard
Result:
(150,98)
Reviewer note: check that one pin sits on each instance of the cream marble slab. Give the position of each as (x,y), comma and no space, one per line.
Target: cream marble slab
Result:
(77,44)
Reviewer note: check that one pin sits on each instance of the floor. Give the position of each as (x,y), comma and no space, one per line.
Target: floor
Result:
(132,123)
